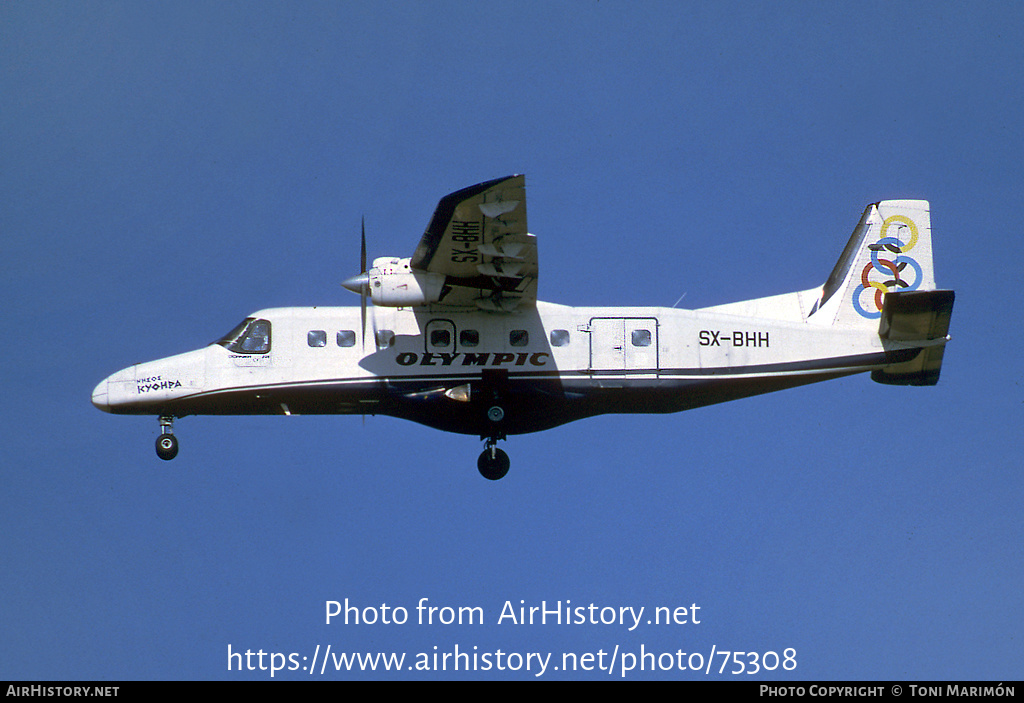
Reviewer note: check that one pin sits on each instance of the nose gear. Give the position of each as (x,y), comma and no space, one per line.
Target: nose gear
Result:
(493,462)
(167,443)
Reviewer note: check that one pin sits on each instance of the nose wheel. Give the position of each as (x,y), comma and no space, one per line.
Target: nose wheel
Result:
(167,443)
(493,462)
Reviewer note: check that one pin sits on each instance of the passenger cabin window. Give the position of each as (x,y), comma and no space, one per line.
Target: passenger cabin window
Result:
(440,338)
(252,336)
(559,338)
(346,338)
(469,338)
(641,338)
(519,338)
(385,338)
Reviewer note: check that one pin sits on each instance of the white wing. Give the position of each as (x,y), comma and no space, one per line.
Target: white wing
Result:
(478,240)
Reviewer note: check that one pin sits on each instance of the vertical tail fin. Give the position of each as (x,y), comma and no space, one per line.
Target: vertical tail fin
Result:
(890,251)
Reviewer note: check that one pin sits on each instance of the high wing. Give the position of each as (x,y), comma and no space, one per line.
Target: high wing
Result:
(478,240)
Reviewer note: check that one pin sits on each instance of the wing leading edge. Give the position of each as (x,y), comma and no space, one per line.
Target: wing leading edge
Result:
(477,239)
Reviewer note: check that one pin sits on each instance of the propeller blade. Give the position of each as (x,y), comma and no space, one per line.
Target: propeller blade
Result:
(361,283)
(362,312)
(363,275)
(364,279)
(373,323)
(363,289)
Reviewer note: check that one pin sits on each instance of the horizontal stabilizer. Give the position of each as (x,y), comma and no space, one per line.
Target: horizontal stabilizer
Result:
(916,316)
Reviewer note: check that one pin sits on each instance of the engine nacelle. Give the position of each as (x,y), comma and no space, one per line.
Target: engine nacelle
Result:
(394,284)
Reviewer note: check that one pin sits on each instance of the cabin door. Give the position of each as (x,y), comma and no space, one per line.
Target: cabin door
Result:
(627,344)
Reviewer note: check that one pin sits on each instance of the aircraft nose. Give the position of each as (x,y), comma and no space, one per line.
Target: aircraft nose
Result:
(100,397)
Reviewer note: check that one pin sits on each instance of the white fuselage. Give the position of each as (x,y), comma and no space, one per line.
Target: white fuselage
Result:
(549,363)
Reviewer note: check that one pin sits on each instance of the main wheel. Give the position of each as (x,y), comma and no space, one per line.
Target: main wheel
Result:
(167,446)
(493,467)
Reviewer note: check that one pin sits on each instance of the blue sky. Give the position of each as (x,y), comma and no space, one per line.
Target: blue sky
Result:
(171,167)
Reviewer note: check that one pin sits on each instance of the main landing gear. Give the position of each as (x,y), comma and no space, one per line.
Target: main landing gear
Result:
(167,443)
(493,463)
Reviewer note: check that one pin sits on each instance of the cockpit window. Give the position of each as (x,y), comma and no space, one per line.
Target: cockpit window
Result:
(250,337)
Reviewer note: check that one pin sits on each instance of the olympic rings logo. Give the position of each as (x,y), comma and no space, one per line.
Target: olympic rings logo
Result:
(891,270)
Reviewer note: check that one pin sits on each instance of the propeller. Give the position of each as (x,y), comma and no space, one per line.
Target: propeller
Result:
(364,289)
(361,284)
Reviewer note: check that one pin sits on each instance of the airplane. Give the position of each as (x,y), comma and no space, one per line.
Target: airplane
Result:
(457,340)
